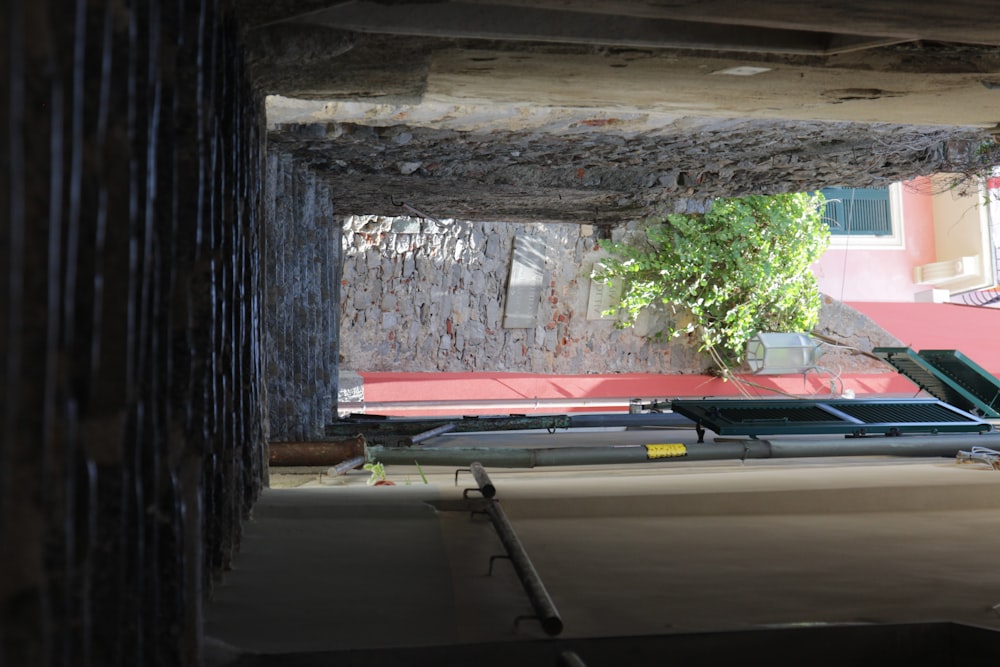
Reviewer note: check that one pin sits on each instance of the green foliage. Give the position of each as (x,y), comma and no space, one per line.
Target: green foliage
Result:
(741,268)
(378,472)
(421,471)
(988,152)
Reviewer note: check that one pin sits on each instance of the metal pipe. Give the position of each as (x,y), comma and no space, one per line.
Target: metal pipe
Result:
(345,467)
(318,453)
(508,457)
(541,602)
(504,457)
(502,405)
(660,419)
(929,445)
(482,479)
(430,433)
(403,426)
(463,457)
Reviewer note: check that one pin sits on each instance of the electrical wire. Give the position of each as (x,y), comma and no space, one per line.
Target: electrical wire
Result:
(834,378)
(847,246)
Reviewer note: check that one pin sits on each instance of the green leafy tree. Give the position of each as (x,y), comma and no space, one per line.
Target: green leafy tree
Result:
(741,268)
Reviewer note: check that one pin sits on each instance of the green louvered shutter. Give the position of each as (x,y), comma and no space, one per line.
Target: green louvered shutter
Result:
(858,211)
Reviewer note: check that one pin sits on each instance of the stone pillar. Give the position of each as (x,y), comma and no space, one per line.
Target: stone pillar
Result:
(303,301)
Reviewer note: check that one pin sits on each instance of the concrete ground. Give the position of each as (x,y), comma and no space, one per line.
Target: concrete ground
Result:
(333,567)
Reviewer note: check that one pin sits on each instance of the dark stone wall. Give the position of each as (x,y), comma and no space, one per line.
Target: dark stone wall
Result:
(131,396)
(612,176)
(303,269)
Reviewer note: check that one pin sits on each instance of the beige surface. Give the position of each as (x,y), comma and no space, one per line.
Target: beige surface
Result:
(623,550)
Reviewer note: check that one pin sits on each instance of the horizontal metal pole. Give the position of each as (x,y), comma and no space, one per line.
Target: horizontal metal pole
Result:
(316,453)
(408,426)
(510,457)
(661,419)
(541,602)
(463,457)
(411,432)
(945,445)
(503,405)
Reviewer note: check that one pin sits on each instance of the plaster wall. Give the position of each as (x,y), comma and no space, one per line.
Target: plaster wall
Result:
(853,273)
(961,229)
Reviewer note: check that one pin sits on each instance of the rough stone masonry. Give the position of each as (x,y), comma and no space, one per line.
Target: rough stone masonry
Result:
(423,296)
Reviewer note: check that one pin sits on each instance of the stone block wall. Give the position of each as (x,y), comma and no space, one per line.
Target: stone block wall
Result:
(131,394)
(423,296)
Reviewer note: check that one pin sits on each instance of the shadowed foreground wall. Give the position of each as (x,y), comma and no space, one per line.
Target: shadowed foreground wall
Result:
(131,426)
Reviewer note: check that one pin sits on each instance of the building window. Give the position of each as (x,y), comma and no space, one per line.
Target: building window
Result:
(858,211)
(865,217)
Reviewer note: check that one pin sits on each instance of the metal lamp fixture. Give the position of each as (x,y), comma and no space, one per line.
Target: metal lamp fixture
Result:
(782,353)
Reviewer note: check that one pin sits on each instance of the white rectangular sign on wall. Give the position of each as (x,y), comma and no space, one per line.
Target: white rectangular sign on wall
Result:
(524,284)
(603,297)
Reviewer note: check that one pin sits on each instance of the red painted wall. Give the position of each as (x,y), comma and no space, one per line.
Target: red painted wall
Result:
(383,389)
(975,332)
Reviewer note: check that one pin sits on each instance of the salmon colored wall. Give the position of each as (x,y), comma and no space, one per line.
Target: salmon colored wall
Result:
(856,274)
(942,326)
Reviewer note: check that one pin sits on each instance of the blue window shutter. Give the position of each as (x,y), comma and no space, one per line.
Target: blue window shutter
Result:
(858,211)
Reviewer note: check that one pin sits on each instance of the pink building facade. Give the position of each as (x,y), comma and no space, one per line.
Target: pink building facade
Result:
(942,248)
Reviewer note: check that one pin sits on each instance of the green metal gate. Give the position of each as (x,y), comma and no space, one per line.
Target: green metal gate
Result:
(853,417)
(949,376)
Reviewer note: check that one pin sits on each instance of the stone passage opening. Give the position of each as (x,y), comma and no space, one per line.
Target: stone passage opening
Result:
(169,289)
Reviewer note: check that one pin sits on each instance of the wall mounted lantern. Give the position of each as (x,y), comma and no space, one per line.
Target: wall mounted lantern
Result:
(782,353)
